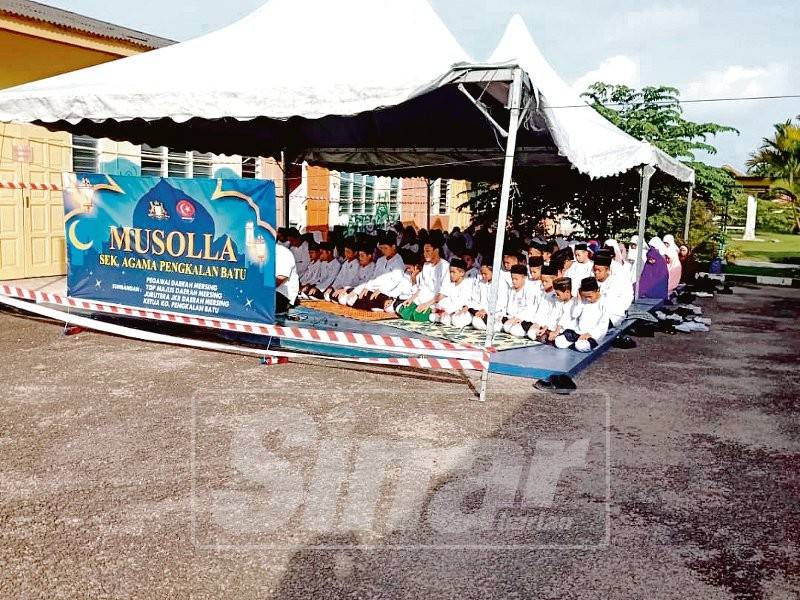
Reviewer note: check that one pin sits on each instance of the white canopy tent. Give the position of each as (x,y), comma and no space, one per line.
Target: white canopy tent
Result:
(360,85)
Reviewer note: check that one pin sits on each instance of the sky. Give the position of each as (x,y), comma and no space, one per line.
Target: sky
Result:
(705,48)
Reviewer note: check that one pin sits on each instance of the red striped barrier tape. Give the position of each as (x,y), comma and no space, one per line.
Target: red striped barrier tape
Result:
(440,349)
(271,356)
(18,185)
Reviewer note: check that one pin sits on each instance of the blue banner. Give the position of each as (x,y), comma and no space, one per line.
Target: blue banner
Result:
(205,247)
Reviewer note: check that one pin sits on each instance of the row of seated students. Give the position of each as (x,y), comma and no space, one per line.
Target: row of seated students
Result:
(565,296)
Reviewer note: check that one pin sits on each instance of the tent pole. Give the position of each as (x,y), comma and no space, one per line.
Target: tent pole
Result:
(428,210)
(644,195)
(688,215)
(515,94)
(285,167)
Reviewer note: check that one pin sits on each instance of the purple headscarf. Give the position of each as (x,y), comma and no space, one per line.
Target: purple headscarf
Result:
(654,282)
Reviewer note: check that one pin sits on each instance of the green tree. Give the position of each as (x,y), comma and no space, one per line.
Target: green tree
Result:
(609,206)
(779,158)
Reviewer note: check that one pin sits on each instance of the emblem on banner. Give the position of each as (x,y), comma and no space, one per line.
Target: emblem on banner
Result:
(157,211)
(186,210)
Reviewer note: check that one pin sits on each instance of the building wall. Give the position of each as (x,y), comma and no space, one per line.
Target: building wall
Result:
(34,50)
(414,201)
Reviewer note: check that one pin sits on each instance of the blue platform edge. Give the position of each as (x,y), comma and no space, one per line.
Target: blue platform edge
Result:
(531,362)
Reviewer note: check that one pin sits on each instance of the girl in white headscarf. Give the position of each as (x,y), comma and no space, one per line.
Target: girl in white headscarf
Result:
(618,266)
(633,249)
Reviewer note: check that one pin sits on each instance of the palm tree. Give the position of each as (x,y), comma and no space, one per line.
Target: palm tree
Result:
(779,158)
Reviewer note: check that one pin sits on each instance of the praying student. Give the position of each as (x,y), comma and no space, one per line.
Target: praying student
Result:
(299,248)
(563,316)
(386,280)
(654,280)
(546,303)
(615,289)
(287,284)
(479,308)
(432,284)
(328,270)
(473,269)
(535,249)
(581,268)
(535,264)
(510,258)
(346,279)
(592,323)
(453,309)
(366,271)
(312,271)
(410,283)
(521,304)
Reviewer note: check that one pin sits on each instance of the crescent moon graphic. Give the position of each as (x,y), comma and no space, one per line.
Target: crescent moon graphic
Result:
(79,245)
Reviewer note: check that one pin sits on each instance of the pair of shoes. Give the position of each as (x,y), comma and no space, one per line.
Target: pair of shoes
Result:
(703,320)
(691,326)
(556,384)
(726,290)
(643,329)
(703,294)
(665,327)
(624,342)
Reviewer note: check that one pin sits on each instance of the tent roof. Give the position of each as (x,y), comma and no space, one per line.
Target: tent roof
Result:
(290,57)
(360,85)
(590,142)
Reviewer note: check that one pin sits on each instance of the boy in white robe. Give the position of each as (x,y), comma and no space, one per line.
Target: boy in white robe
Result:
(432,284)
(522,302)
(565,313)
(592,323)
(410,283)
(328,270)
(365,273)
(348,272)
(581,268)
(453,309)
(473,269)
(389,269)
(538,326)
(616,290)
(312,268)
(479,309)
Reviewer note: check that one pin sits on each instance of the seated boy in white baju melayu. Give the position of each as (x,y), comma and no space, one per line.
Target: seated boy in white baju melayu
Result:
(327,271)
(522,302)
(366,271)
(453,309)
(386,278)
(581,268)
(479,309)
(409,286)
(348,273)
(616,291)
(592,324)
(311,272)
(564,312)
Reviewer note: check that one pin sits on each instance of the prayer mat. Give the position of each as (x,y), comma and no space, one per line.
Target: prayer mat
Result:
(468,335)
(334,308)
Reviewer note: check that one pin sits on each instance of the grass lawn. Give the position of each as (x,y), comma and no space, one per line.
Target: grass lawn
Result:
(775,247)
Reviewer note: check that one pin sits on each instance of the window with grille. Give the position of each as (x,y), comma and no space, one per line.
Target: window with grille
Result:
(394,195)
(444,192)
(152,161)
(369,195)
(177,163)
(201,164)
(84,154)
(345,193)
(248,167)
(358,194)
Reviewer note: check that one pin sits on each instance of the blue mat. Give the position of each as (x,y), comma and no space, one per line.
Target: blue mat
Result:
(533,362)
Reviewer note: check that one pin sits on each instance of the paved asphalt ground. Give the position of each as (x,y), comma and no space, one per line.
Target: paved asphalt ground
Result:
(134,470)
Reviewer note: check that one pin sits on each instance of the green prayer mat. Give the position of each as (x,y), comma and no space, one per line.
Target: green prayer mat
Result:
(468,335)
